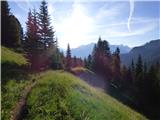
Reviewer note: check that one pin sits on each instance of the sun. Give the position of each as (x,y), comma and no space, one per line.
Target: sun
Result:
(75,28)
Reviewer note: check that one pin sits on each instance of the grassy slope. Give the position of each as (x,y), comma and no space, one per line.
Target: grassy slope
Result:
(60,95)
(11,90)
(12,57)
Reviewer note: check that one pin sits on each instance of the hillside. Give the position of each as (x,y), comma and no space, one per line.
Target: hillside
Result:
(149,52)
(13,80)
(60,95)
(84,50)
(56,95)
(9,56)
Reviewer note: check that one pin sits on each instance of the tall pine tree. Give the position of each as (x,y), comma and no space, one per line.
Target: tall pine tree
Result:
(116,65)
(68,59)
(46,30)
(139,69)
(102,58)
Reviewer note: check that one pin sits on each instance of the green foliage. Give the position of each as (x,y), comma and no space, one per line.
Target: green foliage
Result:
(60,95)
(101,59)
(42,50)
(68,59)
(15,32)
(9,56)
(5,12)
(144,87)
(13,65)
(10,94)
(57,60)
(48,99)
(116,65)
(11,27)
(88,62)
(46,30)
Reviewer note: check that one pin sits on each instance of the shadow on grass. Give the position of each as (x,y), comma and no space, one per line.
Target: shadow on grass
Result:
(13,71)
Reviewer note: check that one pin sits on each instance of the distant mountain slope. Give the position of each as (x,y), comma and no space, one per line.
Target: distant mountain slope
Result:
(150,53)
(85,50)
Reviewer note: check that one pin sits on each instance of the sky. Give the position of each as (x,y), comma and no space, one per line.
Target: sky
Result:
(127,22)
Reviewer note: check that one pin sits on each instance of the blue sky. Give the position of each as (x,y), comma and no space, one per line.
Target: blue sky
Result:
(80,23)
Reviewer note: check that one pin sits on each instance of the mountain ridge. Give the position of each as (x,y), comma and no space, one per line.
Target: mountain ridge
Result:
(149,53)
(84,50)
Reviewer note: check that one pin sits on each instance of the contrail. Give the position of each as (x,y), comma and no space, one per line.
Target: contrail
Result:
(130,14)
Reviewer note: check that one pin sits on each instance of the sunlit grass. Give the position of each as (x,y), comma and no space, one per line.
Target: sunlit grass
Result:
(13,80)
(60,95)
(10,56)
(10,94)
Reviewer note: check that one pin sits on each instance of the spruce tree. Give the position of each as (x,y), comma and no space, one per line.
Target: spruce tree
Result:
(133,71)
(33,42)
(102,58)
(74,61)
(116,64)
(139,69)
(68,59)
(36,29)
(139,83)
(89,62)
(46,30)
(85,63)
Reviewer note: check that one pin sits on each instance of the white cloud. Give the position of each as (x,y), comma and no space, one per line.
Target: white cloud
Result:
(140,26)
(109,12)
(25,5)
(80,28)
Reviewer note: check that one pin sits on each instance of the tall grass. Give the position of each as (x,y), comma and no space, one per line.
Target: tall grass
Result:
(10,94)
(13,80)
(60,95)
(9,56)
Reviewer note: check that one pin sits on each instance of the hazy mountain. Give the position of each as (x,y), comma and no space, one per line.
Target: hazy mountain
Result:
(150,53)
(84,50)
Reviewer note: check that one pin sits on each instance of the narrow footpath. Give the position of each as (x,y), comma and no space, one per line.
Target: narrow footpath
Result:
(20,108)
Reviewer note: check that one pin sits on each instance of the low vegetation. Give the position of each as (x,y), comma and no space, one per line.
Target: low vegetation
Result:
(13,80)
(10,94)
(60,95)
(9,56)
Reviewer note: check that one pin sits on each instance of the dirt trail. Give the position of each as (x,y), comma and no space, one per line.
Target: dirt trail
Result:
(20,108)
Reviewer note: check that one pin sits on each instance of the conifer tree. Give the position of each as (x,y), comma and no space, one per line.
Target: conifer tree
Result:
(139,69)
(89,62)
(33,45)
(5,13)
(139,82)
(36,28)
(116,64)
(74,61)
(102,58)
(46,30)
(11,27)
(15,32)
(68,59)
(32,38)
